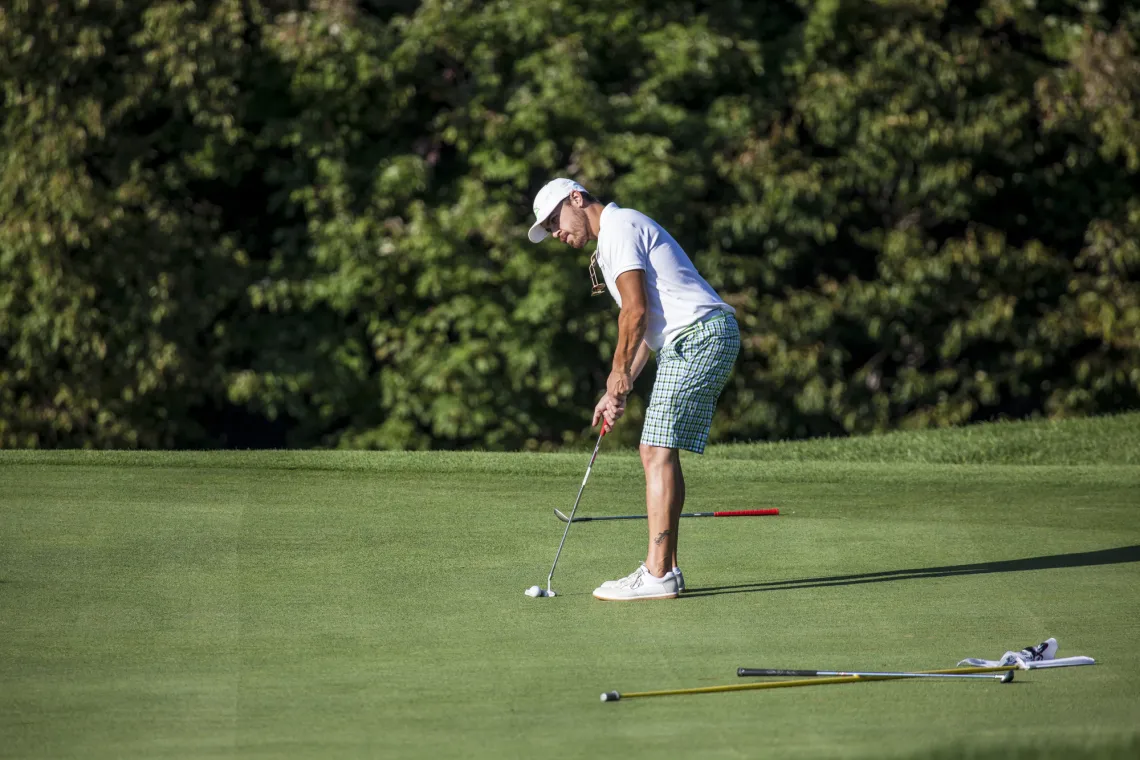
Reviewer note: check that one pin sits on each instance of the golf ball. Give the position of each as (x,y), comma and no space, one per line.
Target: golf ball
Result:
(533,591)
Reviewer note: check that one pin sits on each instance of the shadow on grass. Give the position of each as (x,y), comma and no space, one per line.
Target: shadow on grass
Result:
(1050,562)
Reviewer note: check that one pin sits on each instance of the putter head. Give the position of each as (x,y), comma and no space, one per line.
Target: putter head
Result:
(560,516)
(1008,677)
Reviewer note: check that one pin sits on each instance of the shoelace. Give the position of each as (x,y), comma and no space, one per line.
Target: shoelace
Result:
(633,580)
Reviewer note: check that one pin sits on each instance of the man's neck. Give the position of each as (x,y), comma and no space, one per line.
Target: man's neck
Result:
(594,217)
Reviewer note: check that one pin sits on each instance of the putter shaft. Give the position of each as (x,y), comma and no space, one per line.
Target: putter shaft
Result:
(598,445)
(967,672)
(615,696)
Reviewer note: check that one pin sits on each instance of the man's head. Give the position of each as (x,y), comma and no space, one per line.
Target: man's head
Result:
(560,210)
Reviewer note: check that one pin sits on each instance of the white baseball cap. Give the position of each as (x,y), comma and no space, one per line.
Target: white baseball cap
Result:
(552,193)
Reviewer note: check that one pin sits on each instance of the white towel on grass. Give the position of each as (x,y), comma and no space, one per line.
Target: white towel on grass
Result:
(1043,655)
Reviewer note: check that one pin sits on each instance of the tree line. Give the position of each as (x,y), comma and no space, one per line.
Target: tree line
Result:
(262,223)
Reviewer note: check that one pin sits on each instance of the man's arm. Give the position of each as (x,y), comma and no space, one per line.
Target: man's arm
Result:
(632,322)
(640,360)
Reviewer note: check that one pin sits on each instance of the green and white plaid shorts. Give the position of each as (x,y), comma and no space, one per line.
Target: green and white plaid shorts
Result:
(691,373)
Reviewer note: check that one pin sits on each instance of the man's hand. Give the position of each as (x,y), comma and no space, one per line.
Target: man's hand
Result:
(619,385)
(608,408)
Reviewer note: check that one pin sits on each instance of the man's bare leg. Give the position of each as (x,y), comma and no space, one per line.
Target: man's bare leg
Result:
(664,498)
(677,508)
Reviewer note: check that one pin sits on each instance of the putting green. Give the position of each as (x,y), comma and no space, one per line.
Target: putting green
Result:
(350,604)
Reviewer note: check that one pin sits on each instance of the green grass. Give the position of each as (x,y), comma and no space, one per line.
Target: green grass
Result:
(1101,440)
(349,604)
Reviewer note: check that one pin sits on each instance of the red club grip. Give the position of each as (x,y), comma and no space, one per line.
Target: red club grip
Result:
(747,513)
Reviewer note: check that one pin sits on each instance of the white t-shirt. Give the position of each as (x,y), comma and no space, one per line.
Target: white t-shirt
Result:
(677,295)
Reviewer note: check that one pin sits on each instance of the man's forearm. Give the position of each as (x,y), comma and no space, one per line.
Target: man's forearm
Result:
(640,360)
(631,331)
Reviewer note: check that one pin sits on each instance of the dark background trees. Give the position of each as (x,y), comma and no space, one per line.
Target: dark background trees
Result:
(254,223)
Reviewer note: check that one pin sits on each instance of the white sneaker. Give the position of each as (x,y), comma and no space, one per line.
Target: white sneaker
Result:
(619,581)
(676,574)
(639,585)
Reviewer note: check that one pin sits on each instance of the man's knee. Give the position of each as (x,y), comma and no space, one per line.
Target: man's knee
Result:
(653,457)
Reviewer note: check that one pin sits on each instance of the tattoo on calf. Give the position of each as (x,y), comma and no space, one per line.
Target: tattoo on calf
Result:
(661,537)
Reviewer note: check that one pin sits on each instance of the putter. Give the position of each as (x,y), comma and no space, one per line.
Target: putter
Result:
(1062,662)
(535,590)
(1005,677)
(615,696)
(736,513)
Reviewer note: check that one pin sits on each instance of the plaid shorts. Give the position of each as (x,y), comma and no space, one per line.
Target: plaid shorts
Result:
(691,373)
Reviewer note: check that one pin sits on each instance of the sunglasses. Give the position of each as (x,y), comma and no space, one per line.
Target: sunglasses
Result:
(555,218)
(596,288)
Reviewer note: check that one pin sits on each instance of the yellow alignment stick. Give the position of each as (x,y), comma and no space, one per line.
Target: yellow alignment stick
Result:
(614,696)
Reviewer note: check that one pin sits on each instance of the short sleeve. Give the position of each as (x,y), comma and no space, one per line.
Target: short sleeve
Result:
(625,251)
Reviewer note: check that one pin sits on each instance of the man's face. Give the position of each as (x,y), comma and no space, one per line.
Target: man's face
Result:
(568,223)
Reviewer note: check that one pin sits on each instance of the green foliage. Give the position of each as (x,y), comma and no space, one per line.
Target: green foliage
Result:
(935,252)
(226,218)
(114,275)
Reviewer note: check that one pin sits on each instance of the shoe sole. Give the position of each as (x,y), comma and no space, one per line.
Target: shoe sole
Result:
(635,598)
(680,590)
(614,584)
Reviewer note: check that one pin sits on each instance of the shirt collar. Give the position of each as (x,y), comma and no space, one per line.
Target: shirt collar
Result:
(606,210)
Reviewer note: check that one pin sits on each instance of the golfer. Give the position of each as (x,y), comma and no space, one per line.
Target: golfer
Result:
(667,309)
